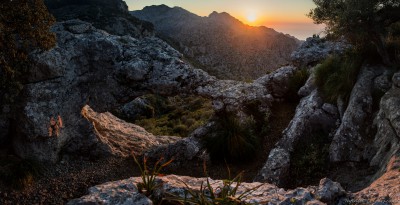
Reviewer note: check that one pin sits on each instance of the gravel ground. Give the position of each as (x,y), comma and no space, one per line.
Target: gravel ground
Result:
(67,180)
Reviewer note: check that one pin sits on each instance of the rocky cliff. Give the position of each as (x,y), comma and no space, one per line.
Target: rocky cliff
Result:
(220,44)
(109,15)
(91,67)
(64,108)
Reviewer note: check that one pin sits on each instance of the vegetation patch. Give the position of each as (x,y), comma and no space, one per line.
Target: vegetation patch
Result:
(337,75)
(298,79)
(310,161)
(176,116)
(231,139)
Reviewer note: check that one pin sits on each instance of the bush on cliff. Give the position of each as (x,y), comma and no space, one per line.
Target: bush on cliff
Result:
(337,75)
(231,139)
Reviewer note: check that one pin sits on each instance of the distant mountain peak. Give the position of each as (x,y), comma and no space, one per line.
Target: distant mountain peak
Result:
(221,44)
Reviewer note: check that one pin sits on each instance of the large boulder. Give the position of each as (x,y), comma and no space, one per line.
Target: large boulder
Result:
(113,193)
(312,116)
(350,140)
(316,49)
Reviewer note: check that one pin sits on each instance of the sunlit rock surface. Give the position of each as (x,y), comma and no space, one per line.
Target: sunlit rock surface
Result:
(117,192)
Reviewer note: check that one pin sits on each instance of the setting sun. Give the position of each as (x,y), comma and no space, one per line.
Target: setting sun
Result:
(251,17)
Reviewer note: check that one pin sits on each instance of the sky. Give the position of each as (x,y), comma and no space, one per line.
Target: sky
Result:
(286,16)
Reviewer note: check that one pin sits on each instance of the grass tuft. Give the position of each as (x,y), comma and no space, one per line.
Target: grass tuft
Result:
(337,75)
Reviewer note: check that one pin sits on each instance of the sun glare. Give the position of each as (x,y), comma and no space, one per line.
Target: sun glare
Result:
(251,17)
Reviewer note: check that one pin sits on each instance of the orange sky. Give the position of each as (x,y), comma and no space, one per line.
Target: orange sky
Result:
(287,16)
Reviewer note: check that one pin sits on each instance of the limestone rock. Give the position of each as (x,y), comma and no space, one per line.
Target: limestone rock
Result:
(387,140)
(316,49)
(113,193)
(265,193)
(111,16)
(276,169)
(329,191)
(184,150)
(92,67)
(135,108)
(349,141)
(120,138)
(277,82)
(311,116)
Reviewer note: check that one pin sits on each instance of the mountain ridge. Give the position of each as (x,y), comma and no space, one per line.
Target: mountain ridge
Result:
(219,43)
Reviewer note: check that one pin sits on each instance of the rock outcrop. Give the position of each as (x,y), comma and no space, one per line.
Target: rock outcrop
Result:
(311,116)
(91,67)
(120,138)
(350,142)
(316,49)
(122,191)
(109,15)
(387,141)
(220,44)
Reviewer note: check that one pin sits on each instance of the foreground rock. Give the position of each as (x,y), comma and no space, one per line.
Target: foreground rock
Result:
(124,191)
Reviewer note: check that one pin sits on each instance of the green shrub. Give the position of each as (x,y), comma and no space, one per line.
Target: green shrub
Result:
(148,185)
(178,115)
(337,75)
(310,160)
(231,139)
(298,79)
(227,194)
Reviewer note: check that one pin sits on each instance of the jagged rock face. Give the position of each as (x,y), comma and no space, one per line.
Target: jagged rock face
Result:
(109,15)
(350,142)
(221,44)
(315,49)
(88,66)
(311,116)
(91,67)
(117,192)
(387,140)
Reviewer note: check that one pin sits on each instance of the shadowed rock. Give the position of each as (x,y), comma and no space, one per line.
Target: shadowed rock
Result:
(91,67)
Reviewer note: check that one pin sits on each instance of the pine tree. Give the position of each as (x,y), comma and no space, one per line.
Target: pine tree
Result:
(24,28)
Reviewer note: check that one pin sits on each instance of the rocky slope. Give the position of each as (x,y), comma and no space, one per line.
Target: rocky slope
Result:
(220,44)
(109,15)
(91,67)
